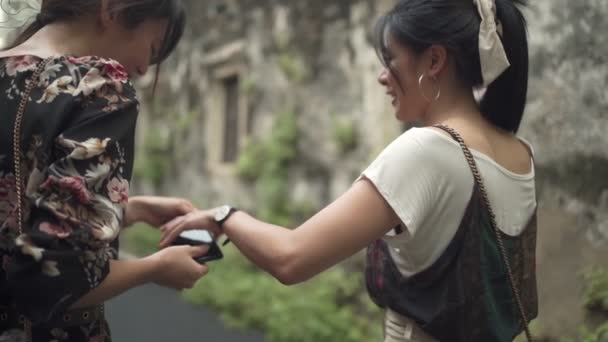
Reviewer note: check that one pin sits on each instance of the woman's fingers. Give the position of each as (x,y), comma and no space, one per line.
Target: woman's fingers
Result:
(166,238)
(198,251)
(174,222)
(194,220)
(169,235)
(172,231)
(173,228)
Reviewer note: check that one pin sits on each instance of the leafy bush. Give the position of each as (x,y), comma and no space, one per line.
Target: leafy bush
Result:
(345,134)
(293,67)
(331,307)
(140,239)
(598,335)
(267,163)
(595,297)
(153,161)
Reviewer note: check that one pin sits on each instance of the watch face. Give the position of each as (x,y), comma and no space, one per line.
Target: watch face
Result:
(222,212)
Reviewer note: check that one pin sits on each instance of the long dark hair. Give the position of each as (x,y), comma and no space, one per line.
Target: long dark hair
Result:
(454,24)
(130,13)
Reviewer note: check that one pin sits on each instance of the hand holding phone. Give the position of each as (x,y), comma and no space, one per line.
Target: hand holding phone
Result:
(200,237)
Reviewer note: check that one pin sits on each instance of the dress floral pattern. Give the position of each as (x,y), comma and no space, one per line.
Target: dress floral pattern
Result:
(77,156)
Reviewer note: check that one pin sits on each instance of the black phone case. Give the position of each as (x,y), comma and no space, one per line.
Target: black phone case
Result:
(214,252)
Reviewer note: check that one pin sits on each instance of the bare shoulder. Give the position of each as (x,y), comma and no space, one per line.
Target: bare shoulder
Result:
(504,148)
(512,153)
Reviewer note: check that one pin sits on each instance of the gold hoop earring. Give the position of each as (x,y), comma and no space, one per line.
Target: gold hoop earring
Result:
(422,90)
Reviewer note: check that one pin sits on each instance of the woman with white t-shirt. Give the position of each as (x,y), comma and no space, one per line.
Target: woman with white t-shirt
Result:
(451,232)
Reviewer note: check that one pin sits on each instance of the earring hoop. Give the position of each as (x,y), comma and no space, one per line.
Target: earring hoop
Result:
(422,90)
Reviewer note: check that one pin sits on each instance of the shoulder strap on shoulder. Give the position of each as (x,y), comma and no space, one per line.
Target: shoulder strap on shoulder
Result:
(479,182)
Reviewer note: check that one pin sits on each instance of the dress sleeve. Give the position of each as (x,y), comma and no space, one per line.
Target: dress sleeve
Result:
(77,201)
(409,178)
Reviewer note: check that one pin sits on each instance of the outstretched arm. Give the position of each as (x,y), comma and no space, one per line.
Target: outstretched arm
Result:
(349,224)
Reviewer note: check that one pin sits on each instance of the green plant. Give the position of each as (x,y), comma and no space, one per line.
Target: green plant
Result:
(140,239)
(153,161)
(292,67)
(248,165)
(267,163)
(345,134)
(248,85)
(595,296)
(184,121)
(330,307)
(313,311)
(598,335)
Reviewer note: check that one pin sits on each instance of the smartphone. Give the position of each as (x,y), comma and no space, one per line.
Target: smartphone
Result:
(197,238)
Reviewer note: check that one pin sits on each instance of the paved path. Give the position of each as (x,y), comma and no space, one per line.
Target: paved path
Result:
(155,314)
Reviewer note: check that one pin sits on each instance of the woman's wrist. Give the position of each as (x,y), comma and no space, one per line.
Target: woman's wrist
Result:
(150,267)
(133,211)
(231,225)
(232,222)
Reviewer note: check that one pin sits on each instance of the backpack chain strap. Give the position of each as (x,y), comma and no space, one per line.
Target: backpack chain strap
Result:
(27,324)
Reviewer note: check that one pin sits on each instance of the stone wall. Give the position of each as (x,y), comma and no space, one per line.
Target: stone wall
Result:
(566,119)
(309,58)
(315,59)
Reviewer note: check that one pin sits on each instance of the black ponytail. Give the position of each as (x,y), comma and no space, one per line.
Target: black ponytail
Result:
(505,99)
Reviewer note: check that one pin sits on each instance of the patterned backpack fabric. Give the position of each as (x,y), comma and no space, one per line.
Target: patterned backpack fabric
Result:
(466,295)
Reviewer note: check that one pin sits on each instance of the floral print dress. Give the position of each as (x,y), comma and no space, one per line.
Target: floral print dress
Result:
(77,155)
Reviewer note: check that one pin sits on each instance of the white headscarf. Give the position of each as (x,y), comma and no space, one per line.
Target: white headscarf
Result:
(492,53)
(14,15)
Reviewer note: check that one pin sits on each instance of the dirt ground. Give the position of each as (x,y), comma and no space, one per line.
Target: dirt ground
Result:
(563,253)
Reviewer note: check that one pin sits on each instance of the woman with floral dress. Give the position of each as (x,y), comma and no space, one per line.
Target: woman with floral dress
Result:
(75,146)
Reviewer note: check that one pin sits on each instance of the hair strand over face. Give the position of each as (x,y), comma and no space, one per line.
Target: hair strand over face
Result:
(130,13)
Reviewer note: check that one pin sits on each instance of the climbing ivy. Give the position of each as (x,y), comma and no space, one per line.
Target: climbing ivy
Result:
(345,134)
(595,296)
(293,67)
(266,164)
(331,307)
(595,335)
(153,159)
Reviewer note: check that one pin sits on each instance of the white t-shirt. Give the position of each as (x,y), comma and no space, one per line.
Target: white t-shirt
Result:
(425,178)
